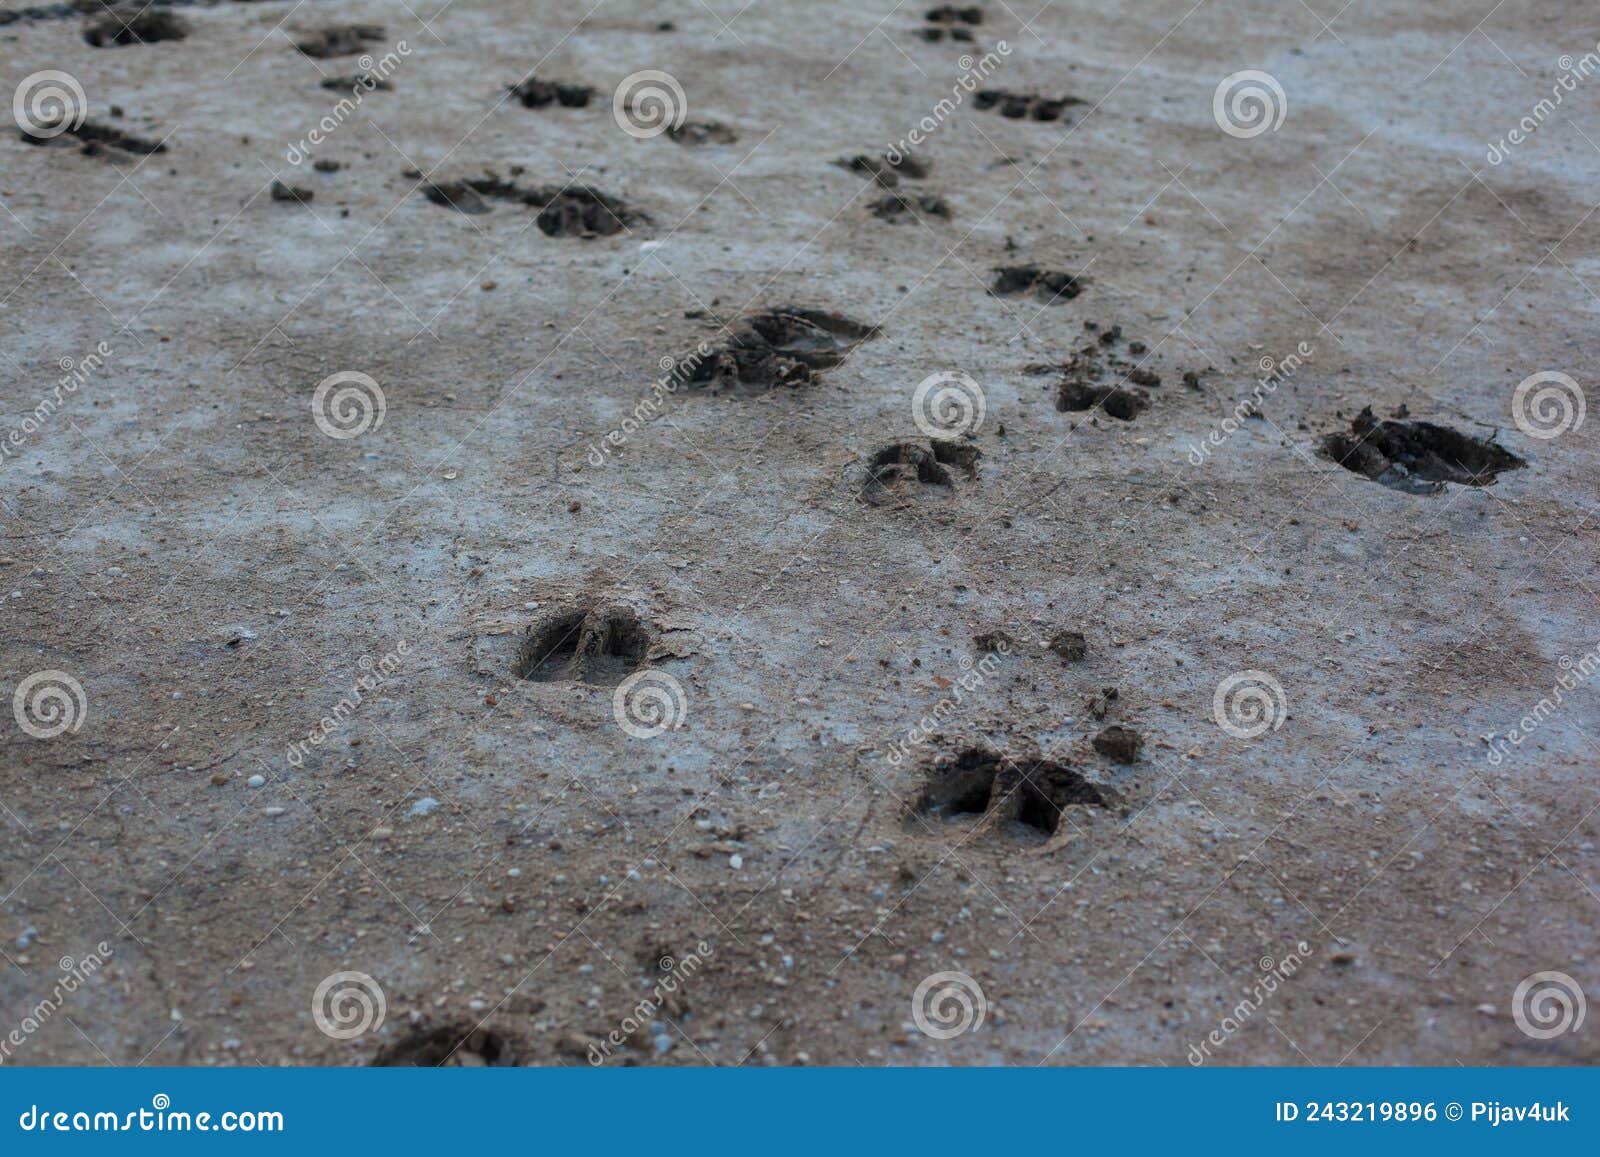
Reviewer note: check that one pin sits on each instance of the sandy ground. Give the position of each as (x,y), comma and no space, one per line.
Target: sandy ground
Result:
(1367,881)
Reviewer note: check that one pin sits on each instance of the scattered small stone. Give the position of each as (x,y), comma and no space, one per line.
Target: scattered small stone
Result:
(282,192)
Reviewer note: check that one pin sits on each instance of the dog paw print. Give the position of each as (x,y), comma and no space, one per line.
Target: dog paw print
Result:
(935,462)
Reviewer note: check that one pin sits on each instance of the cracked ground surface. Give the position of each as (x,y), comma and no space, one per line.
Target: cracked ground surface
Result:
(281,733)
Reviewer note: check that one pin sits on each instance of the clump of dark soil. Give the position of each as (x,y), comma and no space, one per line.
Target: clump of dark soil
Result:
(1070,645)
(1006,794)
(898,207)
(1047,286)
(135,26)
(995,642)
(1024,106)
(781,346)
(537,93)
(340,40)
(887,169)
(699,133)
(98,139)
(459,1045)
(282,192)
(1123,405)
(564,210)
(928,461)
(1416,457)
(1119,743)
(601,646)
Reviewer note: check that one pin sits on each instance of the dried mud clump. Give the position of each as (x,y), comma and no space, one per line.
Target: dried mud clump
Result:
(779,347)
(1098,377)
(1007,795)
(1119,743)
(602,646)
(121,27)
(1416,457)
(459,1045)
(926,461)
(1043,284)
(696,134)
